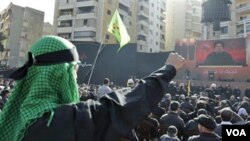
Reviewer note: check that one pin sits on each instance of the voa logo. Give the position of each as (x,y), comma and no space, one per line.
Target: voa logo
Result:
(236,132)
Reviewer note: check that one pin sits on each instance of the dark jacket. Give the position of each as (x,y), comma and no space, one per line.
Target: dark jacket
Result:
(172,119)
(109,119)
(205,137)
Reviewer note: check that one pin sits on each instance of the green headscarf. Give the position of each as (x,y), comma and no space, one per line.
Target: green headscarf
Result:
(42,89)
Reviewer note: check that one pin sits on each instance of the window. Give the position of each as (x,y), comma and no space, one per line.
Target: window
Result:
(224,30)
(84,34)
(156,43)
(162,36)
(85,22)
(141,7)
(66,12)
(107,37)
(67,1)
(152,5)
(140,47)
(65,23)
(150,50)
(65,35)
(142,27)
(130,23)
(141,37)
(109,12)
(86,9)
(161,27)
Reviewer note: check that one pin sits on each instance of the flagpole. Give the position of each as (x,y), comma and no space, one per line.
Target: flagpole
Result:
(99,50)
(93,67)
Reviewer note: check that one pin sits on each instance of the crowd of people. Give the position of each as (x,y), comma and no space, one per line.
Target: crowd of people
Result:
(178,114)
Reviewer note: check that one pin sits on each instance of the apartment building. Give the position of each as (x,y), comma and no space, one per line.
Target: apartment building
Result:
(88,20)
(151,25)
(242,18)
(238,26)
(22,26)
(183,21)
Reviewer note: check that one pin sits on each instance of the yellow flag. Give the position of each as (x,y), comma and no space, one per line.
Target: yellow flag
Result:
(118,29)
(189,88)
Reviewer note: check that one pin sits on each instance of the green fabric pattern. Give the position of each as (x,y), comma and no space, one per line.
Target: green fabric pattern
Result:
(43,89)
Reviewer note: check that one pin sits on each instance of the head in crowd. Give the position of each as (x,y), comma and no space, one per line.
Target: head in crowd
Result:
(243,113)
(182,97)
(223,104)
(226,114)
(106,81)
(5,93)
(46,81)
(201,104)
(187,99)
(168,96)
(174,106)
(130,83)
(206,124)
(213,86)
(172,131)
(202,112)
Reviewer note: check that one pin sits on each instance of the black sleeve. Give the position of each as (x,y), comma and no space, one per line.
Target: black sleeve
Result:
(118,112)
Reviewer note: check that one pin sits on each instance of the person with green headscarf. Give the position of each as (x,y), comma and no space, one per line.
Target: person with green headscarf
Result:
(44,104)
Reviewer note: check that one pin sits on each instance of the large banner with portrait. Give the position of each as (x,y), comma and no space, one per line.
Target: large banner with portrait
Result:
(226,52)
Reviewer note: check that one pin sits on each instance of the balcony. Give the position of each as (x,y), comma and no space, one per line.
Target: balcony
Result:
(142,32)
(66,6)
(65,35)
(141,38)
(196,27)
(243,8)
(144,3)
(243,21)
(86,28)
(142,13)
(64,29)
(143,22)
(124,5)
(240,29)
(87,3)
(86,10)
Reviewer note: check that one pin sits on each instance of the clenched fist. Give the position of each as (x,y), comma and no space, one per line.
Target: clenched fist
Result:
(176,60)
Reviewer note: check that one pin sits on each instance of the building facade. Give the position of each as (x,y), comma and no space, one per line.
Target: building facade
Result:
(151,25)
(183,21)
(22,26)
(47,29)
(239,26)
(242,17)
(88,20)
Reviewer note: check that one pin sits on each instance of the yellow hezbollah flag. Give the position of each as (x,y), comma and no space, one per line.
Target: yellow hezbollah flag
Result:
(118,29)
(189,88)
